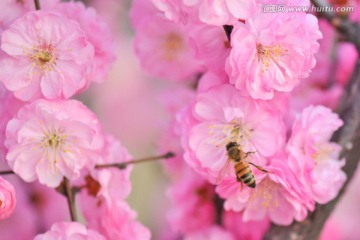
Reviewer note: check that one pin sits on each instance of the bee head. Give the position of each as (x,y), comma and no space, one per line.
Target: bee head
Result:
(231,145)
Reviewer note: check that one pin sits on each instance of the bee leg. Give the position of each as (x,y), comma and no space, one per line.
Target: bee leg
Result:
(258,167)
(248,153)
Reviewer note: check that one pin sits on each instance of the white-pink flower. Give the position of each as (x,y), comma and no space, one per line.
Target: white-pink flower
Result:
(48,56)
(102,200)
(251,230)
(114,183)
(313,157)
(48,140)
(272,52)
(69,231)
(213,232)
(192,200)
(221,115)
(7,199)
(99,36)
(278,195)
(163,49)
(115,221)
(211,46)
(211,12)
(9,106)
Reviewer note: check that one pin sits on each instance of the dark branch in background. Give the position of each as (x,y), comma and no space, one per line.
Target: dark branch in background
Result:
(70,199)
(348,137)
(37,4)
(219,207)
(124,164)
(350,30)
(6,172)
(228,29)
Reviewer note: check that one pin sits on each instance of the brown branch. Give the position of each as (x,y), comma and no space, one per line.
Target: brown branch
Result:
(70,199)
(350,30)
(219,208)
(228,29)
(37,4)
(6,172)
(124,164)
(347,136)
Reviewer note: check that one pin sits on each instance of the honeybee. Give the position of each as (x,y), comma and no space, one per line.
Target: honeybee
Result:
(243,172)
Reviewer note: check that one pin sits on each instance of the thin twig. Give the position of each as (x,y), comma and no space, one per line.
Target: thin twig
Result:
(6,172)
(37,4)
(70,199)
(124,164)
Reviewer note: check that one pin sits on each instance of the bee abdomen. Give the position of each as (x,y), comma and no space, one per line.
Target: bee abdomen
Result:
(248,178)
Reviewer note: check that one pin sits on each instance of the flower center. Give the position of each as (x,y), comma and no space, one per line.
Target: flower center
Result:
(323,152)
(265,194)
(172,46)
(52,144)
(43,58)
(266,54)
(235,131)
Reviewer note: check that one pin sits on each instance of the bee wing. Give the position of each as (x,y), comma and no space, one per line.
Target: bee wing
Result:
(224,171)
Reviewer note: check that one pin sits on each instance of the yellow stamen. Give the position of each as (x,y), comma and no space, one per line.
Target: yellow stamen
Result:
(266,54)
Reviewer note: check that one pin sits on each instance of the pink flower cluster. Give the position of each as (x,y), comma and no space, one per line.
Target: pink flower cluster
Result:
(48,56)
(243,82)
(257,86)
(69,230)
(55,66)
(7,199)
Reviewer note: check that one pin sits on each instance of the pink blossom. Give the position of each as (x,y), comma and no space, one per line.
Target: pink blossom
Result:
(163,49)
(99,36)
(7,199)
(9,106)
(320,75)
(141,9)
(102,201)
(347,56)
(272,52)
(211,46)
(193,203)
(174,100)
(251,230)
(114,183)
(211,79)
(208,11)
(222,115)
(278,195)
(49,206)
(14,227)
(15,9)
(312,157)
(308,93)
(46,65)
(68,231)
(117,221)
(48,140)
(214,232)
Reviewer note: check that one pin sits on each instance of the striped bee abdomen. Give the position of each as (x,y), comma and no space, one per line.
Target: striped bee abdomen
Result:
(245,174)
